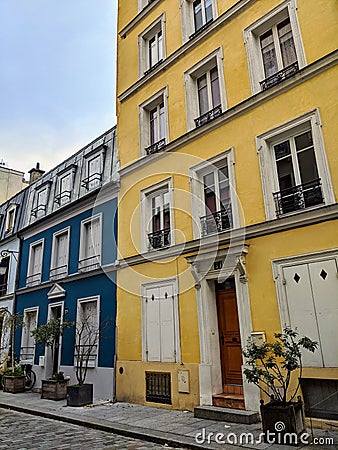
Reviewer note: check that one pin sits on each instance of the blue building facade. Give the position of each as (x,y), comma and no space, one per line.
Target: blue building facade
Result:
(67,265)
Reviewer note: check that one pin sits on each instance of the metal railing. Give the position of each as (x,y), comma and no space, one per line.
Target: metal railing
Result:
(86,353)
(89,263)
(159,239)
(63,195)
(217,221)
(208,116)
(156,147)
(153,67)
(37,209)
(58,272)
(298,197)
(32,280)
(93,181)
(280,76)
(27,355)
(158,387)
(3,289)
(202,28)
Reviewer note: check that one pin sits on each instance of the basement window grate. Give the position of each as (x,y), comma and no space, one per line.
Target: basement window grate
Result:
(158,387)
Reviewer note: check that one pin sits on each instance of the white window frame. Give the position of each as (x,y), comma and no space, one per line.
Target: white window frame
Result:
(144,118)
(143,44)
(53,265)
(146,212)
(143,4)
(30,274)
(269,180)
(82,250)
(287,9)
(96,153)
(11,210)
(158,284)
(25,331)
(277,269)
(187,18)
(214,59)
(196,174)
(80,302)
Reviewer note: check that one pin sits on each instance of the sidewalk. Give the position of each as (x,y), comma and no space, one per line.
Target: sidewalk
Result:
(163,426)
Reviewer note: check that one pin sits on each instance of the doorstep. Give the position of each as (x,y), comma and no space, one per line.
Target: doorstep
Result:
(226,414)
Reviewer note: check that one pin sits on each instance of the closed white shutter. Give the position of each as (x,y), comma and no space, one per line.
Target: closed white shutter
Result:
(37,259)
(325,292)
(167,324)
(65,189)
(153,334)
(61,250)
(302,310)
(93,238)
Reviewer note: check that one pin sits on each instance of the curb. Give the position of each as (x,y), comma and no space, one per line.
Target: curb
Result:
(159,437)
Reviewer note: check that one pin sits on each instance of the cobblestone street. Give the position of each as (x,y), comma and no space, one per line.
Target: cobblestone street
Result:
(20,431)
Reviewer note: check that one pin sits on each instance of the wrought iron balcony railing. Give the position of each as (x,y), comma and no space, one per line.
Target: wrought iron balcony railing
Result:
(298,197)
(34,279)
(39,210)
(27,355)
(58,272)
(217,221)
(277,77)
(86,353)
(208,116)
(153,67)
(156,147)
(90,263)
(202,28)
(159,239)
(93,181)
(62,198)
(3,289)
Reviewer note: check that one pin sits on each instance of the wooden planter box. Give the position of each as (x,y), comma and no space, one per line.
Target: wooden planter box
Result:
(80,395)
(281,420)
(54,389)
(14,384)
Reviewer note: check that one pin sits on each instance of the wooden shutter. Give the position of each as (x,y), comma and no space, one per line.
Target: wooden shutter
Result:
(37,259)
(61,250)
(167,324)
(153,334)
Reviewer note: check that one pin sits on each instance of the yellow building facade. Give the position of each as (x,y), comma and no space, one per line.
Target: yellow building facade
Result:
(228,201)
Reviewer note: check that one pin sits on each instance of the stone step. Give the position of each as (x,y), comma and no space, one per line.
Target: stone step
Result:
(224,400)
(226,414)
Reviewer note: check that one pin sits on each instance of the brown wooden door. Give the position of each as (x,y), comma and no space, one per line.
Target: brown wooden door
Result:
(229,336)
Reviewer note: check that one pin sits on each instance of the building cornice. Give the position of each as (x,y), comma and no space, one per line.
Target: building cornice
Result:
(227,16)
(244,107)
(236,236)
(137,19)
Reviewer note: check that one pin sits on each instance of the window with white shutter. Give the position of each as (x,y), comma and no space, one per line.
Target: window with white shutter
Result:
(27,350)
(87,331)
(35,263)
(90,244)
(93,168)
(161,338)
(60,254)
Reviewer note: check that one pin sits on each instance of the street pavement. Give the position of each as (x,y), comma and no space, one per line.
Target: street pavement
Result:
(158,425)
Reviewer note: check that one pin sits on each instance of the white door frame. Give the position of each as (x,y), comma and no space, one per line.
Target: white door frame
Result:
(48,356)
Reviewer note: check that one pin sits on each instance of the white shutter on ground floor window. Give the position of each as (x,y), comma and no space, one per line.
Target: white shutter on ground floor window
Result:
(167,324)
(152,317)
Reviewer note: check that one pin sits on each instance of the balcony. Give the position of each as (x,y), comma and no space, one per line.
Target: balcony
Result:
(90,263)
(153,67)
(159,239)
(33,280)
(216,222)
(58,272)
(298,197)
(280,76)
(38,211)
(27,355)
(62,198)
(208,116)
(3,289)
(86,353)
(156,147)
(93,181)
(202,28)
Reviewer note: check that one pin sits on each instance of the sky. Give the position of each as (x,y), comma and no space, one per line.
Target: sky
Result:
(57,78)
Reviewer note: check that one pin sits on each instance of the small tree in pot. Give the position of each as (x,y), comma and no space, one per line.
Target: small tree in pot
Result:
(49,334)
(270,367)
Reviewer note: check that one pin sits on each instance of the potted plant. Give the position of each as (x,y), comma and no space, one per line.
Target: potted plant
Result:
(87,333)
(270,366)
(54,388)
(13,379)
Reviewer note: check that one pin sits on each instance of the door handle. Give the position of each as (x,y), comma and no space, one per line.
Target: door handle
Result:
(234,339)
(222,338)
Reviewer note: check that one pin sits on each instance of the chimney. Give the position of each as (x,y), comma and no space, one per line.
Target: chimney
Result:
(35,173)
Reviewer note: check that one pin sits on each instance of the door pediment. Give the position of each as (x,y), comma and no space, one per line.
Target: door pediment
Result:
(56,291)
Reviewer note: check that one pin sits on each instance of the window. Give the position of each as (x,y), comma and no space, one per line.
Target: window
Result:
(152,46)
(307,289)
(65,186)
(205,91)
(87,331)
(274,47)
(93,165)
(295,174)
(35,263)
(41,200)
(154,123)
(27,350)
(160,322)
(157,213)
(90,244)
(143,4)
(196,15)
(214,200)
(4,269)
(10,218)
(60,254)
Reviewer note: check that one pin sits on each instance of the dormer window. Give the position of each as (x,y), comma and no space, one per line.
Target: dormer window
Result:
(94,169)
(10,218)
(65,186)
(41,200)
